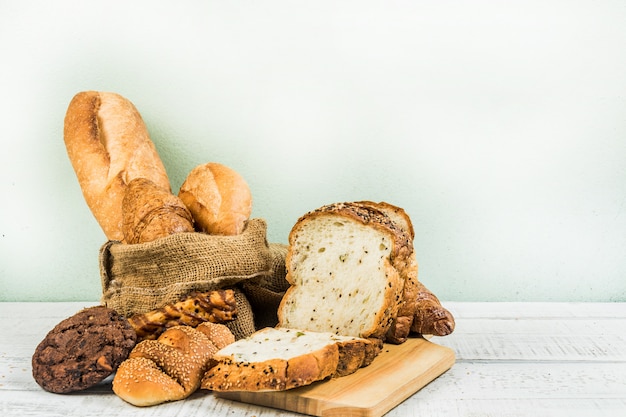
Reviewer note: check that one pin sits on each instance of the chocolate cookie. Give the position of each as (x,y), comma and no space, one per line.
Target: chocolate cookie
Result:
(82,350)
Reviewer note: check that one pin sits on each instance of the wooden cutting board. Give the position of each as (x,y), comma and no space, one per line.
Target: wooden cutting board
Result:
(398,372)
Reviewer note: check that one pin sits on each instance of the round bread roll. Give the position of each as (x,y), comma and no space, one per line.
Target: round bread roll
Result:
(108,145)
(218,198)
(150,212)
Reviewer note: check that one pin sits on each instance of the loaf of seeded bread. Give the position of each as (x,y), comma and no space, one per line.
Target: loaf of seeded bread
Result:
(347,264)
(420,310)
(401,325)
(275,359)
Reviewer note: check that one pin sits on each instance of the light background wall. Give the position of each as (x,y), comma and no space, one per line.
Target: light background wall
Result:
(499,126)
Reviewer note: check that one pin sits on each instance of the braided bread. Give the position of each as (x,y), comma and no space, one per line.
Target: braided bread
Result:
(169,368)
(217,306)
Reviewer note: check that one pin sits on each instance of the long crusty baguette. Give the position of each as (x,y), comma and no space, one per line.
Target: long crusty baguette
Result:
(345,265)
(276,359)
(108,145)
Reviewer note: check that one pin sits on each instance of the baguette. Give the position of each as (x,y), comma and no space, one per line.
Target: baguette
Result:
(108,145)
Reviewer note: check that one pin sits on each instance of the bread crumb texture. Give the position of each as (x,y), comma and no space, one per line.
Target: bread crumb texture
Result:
(341,275)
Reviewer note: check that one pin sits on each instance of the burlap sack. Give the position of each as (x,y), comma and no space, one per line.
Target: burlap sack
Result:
(266,291)
(142,277)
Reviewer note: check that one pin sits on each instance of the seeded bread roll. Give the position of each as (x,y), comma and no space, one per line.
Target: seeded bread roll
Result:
(218,198)
(345,264)
(169,368)
(276,359)
(108,145)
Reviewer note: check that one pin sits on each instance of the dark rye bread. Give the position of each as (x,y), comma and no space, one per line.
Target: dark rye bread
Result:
(276,359)
(346,266)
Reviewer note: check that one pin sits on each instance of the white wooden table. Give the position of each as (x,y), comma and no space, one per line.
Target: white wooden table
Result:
(513,359)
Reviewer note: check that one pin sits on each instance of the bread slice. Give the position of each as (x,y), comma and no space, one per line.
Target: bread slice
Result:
(275,359)
(401,325)
(346,264)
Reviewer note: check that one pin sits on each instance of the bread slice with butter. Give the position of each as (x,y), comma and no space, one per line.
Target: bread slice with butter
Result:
(276,359)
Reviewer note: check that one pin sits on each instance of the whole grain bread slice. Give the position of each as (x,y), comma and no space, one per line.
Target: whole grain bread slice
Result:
(346,264)
(275,359)
(401,326)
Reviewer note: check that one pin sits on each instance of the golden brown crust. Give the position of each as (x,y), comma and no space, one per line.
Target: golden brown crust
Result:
(108,145)
(273,374)
(356,354)
(217,306)
(155,387)
(169,368)
(371,216)
(218,334)
(401,326)
(285,362)
(150,212)
(218,198)
(397,215)
(430,316)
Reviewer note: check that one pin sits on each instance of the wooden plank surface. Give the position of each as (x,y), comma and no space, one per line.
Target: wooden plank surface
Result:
(396,374)
(512,359)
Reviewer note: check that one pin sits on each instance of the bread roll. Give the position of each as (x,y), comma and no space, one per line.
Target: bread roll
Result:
(218,198)
(150,212)
(169,368)
(108,145)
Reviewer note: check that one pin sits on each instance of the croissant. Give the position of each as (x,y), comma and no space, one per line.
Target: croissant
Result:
(150,212)
(430,316)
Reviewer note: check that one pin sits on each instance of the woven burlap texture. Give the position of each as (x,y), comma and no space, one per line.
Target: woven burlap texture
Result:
(142,277)
(266,291)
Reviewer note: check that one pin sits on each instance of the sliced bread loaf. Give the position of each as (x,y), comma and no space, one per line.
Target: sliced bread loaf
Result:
(346,264)
(274,359)
(401,325)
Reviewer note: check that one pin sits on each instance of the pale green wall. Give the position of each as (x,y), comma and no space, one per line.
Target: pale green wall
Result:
(499,126)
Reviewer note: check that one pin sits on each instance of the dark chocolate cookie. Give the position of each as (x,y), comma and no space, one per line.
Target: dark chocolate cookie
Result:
(82,350)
